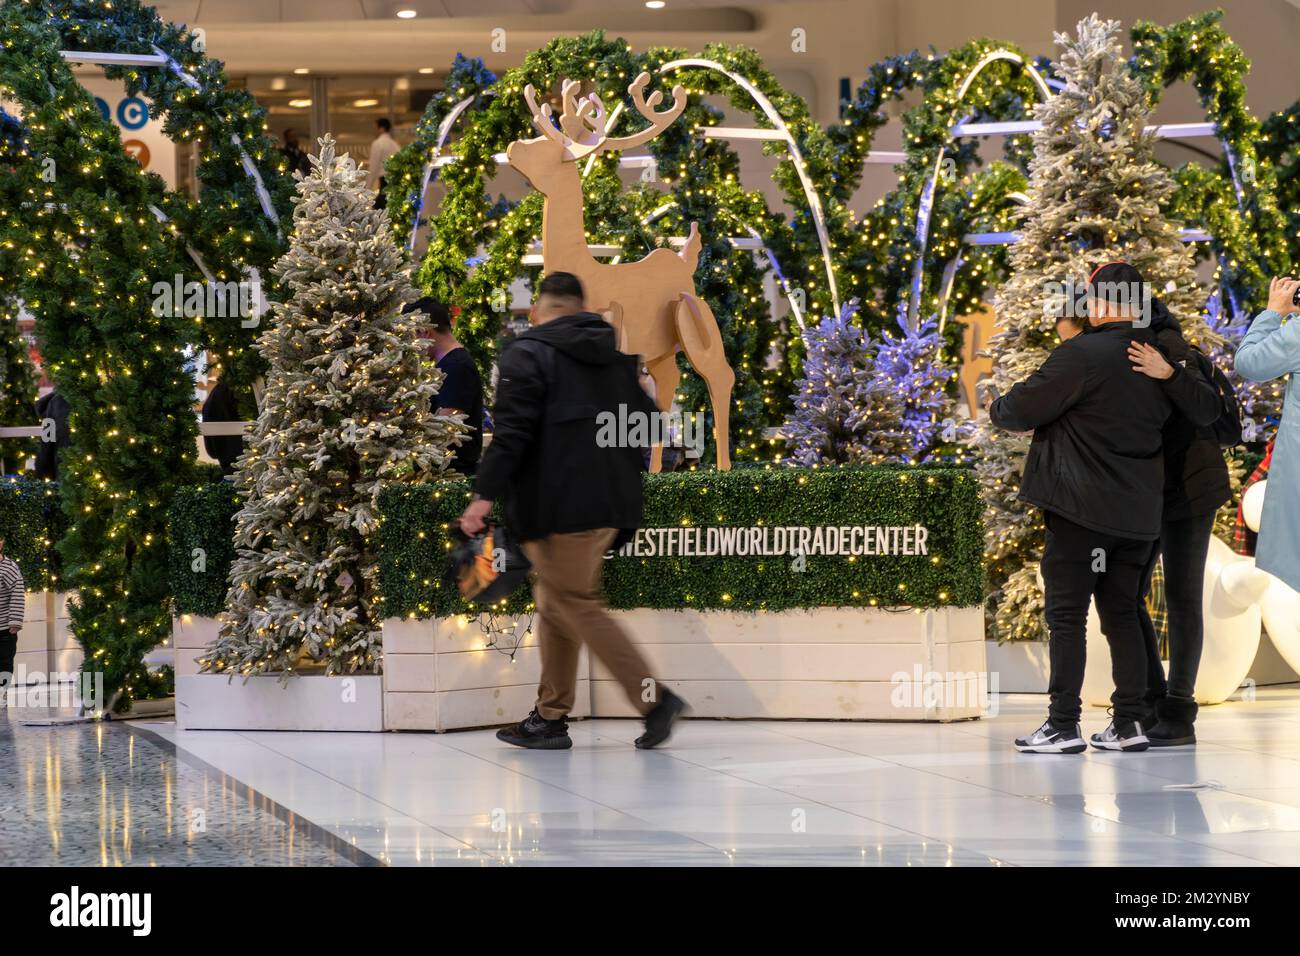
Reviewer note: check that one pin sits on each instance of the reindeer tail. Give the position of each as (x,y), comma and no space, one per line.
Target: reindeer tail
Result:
(691,251)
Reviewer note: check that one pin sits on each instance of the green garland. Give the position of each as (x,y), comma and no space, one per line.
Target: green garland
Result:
(17,382)
(1249,241)
(226,225)
(1280,144)
(404,171)
(120,367)
(88,249)
(702,180)
(967,199)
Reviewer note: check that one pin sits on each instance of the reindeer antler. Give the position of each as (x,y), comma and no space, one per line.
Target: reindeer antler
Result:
(582,124)
(582,119)
(658,121)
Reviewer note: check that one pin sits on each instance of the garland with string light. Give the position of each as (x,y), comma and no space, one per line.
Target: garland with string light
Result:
(87,253)
(119,366)
(1280,144)
(884,277)
(227,225)
(404,172)
(1249,242)
(1237,202)
(17,382)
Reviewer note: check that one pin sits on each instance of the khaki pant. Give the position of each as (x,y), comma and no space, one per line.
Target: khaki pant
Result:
(571,611)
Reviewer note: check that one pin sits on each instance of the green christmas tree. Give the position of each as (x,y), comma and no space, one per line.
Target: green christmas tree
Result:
(1096,192)
(17,389)
(346,411)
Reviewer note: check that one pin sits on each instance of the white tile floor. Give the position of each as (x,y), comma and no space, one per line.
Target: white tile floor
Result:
(779,792)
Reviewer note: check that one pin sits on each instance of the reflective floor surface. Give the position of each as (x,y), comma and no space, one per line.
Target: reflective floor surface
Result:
(722,793)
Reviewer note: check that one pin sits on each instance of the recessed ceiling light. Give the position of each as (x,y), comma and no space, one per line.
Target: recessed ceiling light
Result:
(655,4)
(302,71)
(300,104)
(406,14)
(362,104)
(425,69)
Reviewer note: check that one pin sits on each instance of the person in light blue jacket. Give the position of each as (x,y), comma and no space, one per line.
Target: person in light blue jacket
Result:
(1270,350)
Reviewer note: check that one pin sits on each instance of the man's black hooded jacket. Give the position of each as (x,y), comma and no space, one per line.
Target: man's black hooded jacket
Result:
(1096,454)
(554,382)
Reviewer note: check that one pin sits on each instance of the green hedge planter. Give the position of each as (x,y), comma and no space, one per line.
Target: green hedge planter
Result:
(30,523)
(414,543)
(201,547)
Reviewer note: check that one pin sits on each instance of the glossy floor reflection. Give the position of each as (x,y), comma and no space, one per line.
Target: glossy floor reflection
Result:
(108,795)
(777,792)
(723,794)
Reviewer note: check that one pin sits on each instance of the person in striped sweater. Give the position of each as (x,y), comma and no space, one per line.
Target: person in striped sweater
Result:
(12,609)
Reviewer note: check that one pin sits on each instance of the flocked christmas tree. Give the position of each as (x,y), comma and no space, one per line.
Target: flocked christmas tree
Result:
(831,423)
(1096,192)
(346,411)
(868,402)
(911,381)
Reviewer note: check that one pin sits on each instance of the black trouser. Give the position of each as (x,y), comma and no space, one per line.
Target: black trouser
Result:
(1078,565)
(1185,544)
(8,648)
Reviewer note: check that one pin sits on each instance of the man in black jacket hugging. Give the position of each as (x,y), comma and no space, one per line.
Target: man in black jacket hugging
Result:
(567,497)
(1096,470)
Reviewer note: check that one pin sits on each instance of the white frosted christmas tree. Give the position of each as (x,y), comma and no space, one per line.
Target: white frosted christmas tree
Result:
(345,411)
(1096,192)
(836,405)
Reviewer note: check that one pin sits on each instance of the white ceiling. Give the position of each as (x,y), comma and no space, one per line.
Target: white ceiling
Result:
(208,12)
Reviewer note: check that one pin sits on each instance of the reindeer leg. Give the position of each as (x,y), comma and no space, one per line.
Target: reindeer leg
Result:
(701,339)
(614,316)
(666,375)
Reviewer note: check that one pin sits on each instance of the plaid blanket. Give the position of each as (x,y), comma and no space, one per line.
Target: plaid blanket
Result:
(1243,539)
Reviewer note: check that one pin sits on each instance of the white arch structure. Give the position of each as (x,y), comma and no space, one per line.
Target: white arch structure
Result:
(926,205)
(1165,131)
(782,133)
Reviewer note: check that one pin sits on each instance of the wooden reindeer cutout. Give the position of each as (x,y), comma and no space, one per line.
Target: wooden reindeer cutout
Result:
(651,303)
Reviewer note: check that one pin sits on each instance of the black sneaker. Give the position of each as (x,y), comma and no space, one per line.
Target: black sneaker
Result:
(1048,739)
(1125,735)
(537,733)
(659,722)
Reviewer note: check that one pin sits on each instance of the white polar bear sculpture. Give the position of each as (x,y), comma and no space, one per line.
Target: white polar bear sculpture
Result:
(1281,601)
(1233,591)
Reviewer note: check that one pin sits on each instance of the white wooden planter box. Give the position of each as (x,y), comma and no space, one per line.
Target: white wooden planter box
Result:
(45,642)
(312,702)
(827,663)
(440,675)
(1021,667)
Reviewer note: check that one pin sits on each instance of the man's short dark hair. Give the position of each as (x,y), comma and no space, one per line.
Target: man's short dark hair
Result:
(383,124)
(439,315)
(562,284)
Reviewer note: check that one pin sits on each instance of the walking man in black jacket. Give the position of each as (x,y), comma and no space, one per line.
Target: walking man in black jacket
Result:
(1095,469)
(567,498)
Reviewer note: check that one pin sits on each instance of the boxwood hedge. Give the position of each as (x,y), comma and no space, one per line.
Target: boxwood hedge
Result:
(31,523)
(414,542)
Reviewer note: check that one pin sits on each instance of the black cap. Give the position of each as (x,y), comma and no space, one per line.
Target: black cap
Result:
(439,316)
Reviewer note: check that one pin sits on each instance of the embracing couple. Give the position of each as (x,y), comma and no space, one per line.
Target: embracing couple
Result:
(1126,463)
